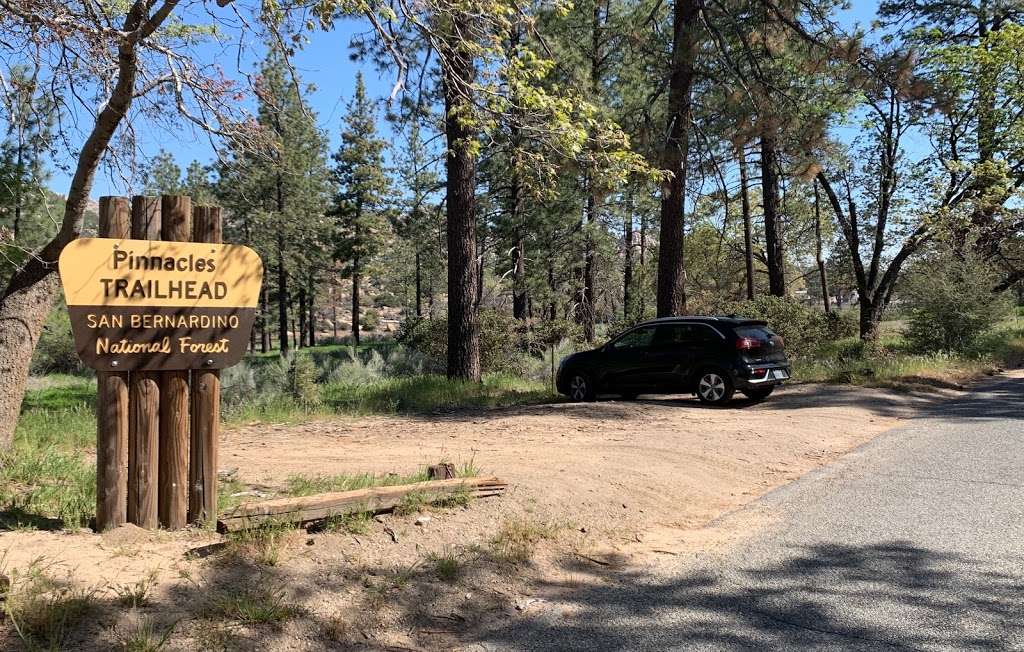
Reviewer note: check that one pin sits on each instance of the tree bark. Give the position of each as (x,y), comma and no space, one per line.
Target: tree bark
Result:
(460,206)
(671,272)
(303,314)
(748,246)
(627,264)
(772,228)
(28,296)
(264,308)
(311,307)
(355,298)
(282,297)
(419,285)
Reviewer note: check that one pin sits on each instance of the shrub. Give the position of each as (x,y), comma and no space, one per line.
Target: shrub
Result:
(951,302)
(302,385)
(502,340)
(55,351)
(803,328)
(370,320)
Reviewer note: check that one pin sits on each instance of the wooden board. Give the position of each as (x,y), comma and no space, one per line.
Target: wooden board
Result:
(375,499)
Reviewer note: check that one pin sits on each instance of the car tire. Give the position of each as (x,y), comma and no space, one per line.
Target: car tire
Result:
(759,394)
(581,387)
(714,387)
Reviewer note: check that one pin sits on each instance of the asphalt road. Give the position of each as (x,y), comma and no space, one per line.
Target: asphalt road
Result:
(913,541)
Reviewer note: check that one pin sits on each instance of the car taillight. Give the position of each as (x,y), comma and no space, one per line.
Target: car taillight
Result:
(747,343)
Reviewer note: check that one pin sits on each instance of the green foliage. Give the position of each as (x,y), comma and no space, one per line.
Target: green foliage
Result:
(951,302)
(303,485)
(48,474)
(801,327)
(42,610)
(370,320)
(503,340)
(55,352)
(302,385)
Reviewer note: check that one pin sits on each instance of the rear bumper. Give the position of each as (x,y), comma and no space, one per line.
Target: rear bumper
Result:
(762,375)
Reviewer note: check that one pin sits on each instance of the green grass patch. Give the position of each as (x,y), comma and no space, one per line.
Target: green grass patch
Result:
(304,485)
(47,479)
(255,605)
(890,362)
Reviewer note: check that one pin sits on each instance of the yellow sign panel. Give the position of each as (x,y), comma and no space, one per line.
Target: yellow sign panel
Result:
(109,272)
(145,304)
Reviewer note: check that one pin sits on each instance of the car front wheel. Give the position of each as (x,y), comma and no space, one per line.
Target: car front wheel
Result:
(714,387)
(581,388)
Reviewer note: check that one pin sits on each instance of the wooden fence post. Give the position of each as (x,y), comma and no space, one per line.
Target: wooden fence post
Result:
(176,224)
(144,399)
(202,473)
(112,404)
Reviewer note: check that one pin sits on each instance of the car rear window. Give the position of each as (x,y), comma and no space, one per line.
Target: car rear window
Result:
(755,332)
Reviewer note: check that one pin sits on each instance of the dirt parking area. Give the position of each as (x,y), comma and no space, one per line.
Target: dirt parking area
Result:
(593,487)
(616,467)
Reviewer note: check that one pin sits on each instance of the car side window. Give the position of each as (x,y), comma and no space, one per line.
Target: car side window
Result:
(674,335)
(636,339)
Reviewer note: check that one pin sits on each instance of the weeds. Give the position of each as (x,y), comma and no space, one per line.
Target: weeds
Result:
(41,610)
(147,637)
(135,595)
(264,543)
(352,523)
(447,564)
(517,539)
(303,485)
(255,605)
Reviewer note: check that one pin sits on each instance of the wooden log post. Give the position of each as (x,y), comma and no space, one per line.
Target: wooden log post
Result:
(176,224)
(112,404)
(144,399)
(202,470)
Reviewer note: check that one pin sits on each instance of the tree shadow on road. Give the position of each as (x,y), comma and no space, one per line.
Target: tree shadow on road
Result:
(890,595)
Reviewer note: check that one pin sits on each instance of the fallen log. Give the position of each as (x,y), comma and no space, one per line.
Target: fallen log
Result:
(304,509)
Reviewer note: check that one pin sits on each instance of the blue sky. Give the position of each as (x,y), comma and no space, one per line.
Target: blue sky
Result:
(326,64)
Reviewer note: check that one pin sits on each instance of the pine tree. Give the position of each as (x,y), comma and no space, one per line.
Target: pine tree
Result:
(278,194)
(162,176)
(360,205)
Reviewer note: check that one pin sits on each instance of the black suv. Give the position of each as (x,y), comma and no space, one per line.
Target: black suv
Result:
(711,357)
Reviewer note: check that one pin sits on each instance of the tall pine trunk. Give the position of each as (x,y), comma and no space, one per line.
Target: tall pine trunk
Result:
(419,285)
(748,245)
(460,207)
(264,310)
(819,257)
(772,228)
(311,307)
(671,272)
(627,265)
(303,341)
(282,297)
(356,278)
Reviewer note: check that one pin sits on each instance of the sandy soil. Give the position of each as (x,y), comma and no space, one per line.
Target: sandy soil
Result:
(620,483)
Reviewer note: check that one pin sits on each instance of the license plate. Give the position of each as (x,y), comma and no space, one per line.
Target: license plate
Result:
(779,374)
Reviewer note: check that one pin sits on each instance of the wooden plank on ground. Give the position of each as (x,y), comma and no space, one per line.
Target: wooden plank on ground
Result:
(375,499)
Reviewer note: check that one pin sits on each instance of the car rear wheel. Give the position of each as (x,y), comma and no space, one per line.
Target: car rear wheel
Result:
(759,394)
(714,387)
(581,388)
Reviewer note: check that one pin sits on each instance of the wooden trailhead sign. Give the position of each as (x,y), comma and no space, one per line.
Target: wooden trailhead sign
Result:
(160,305)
